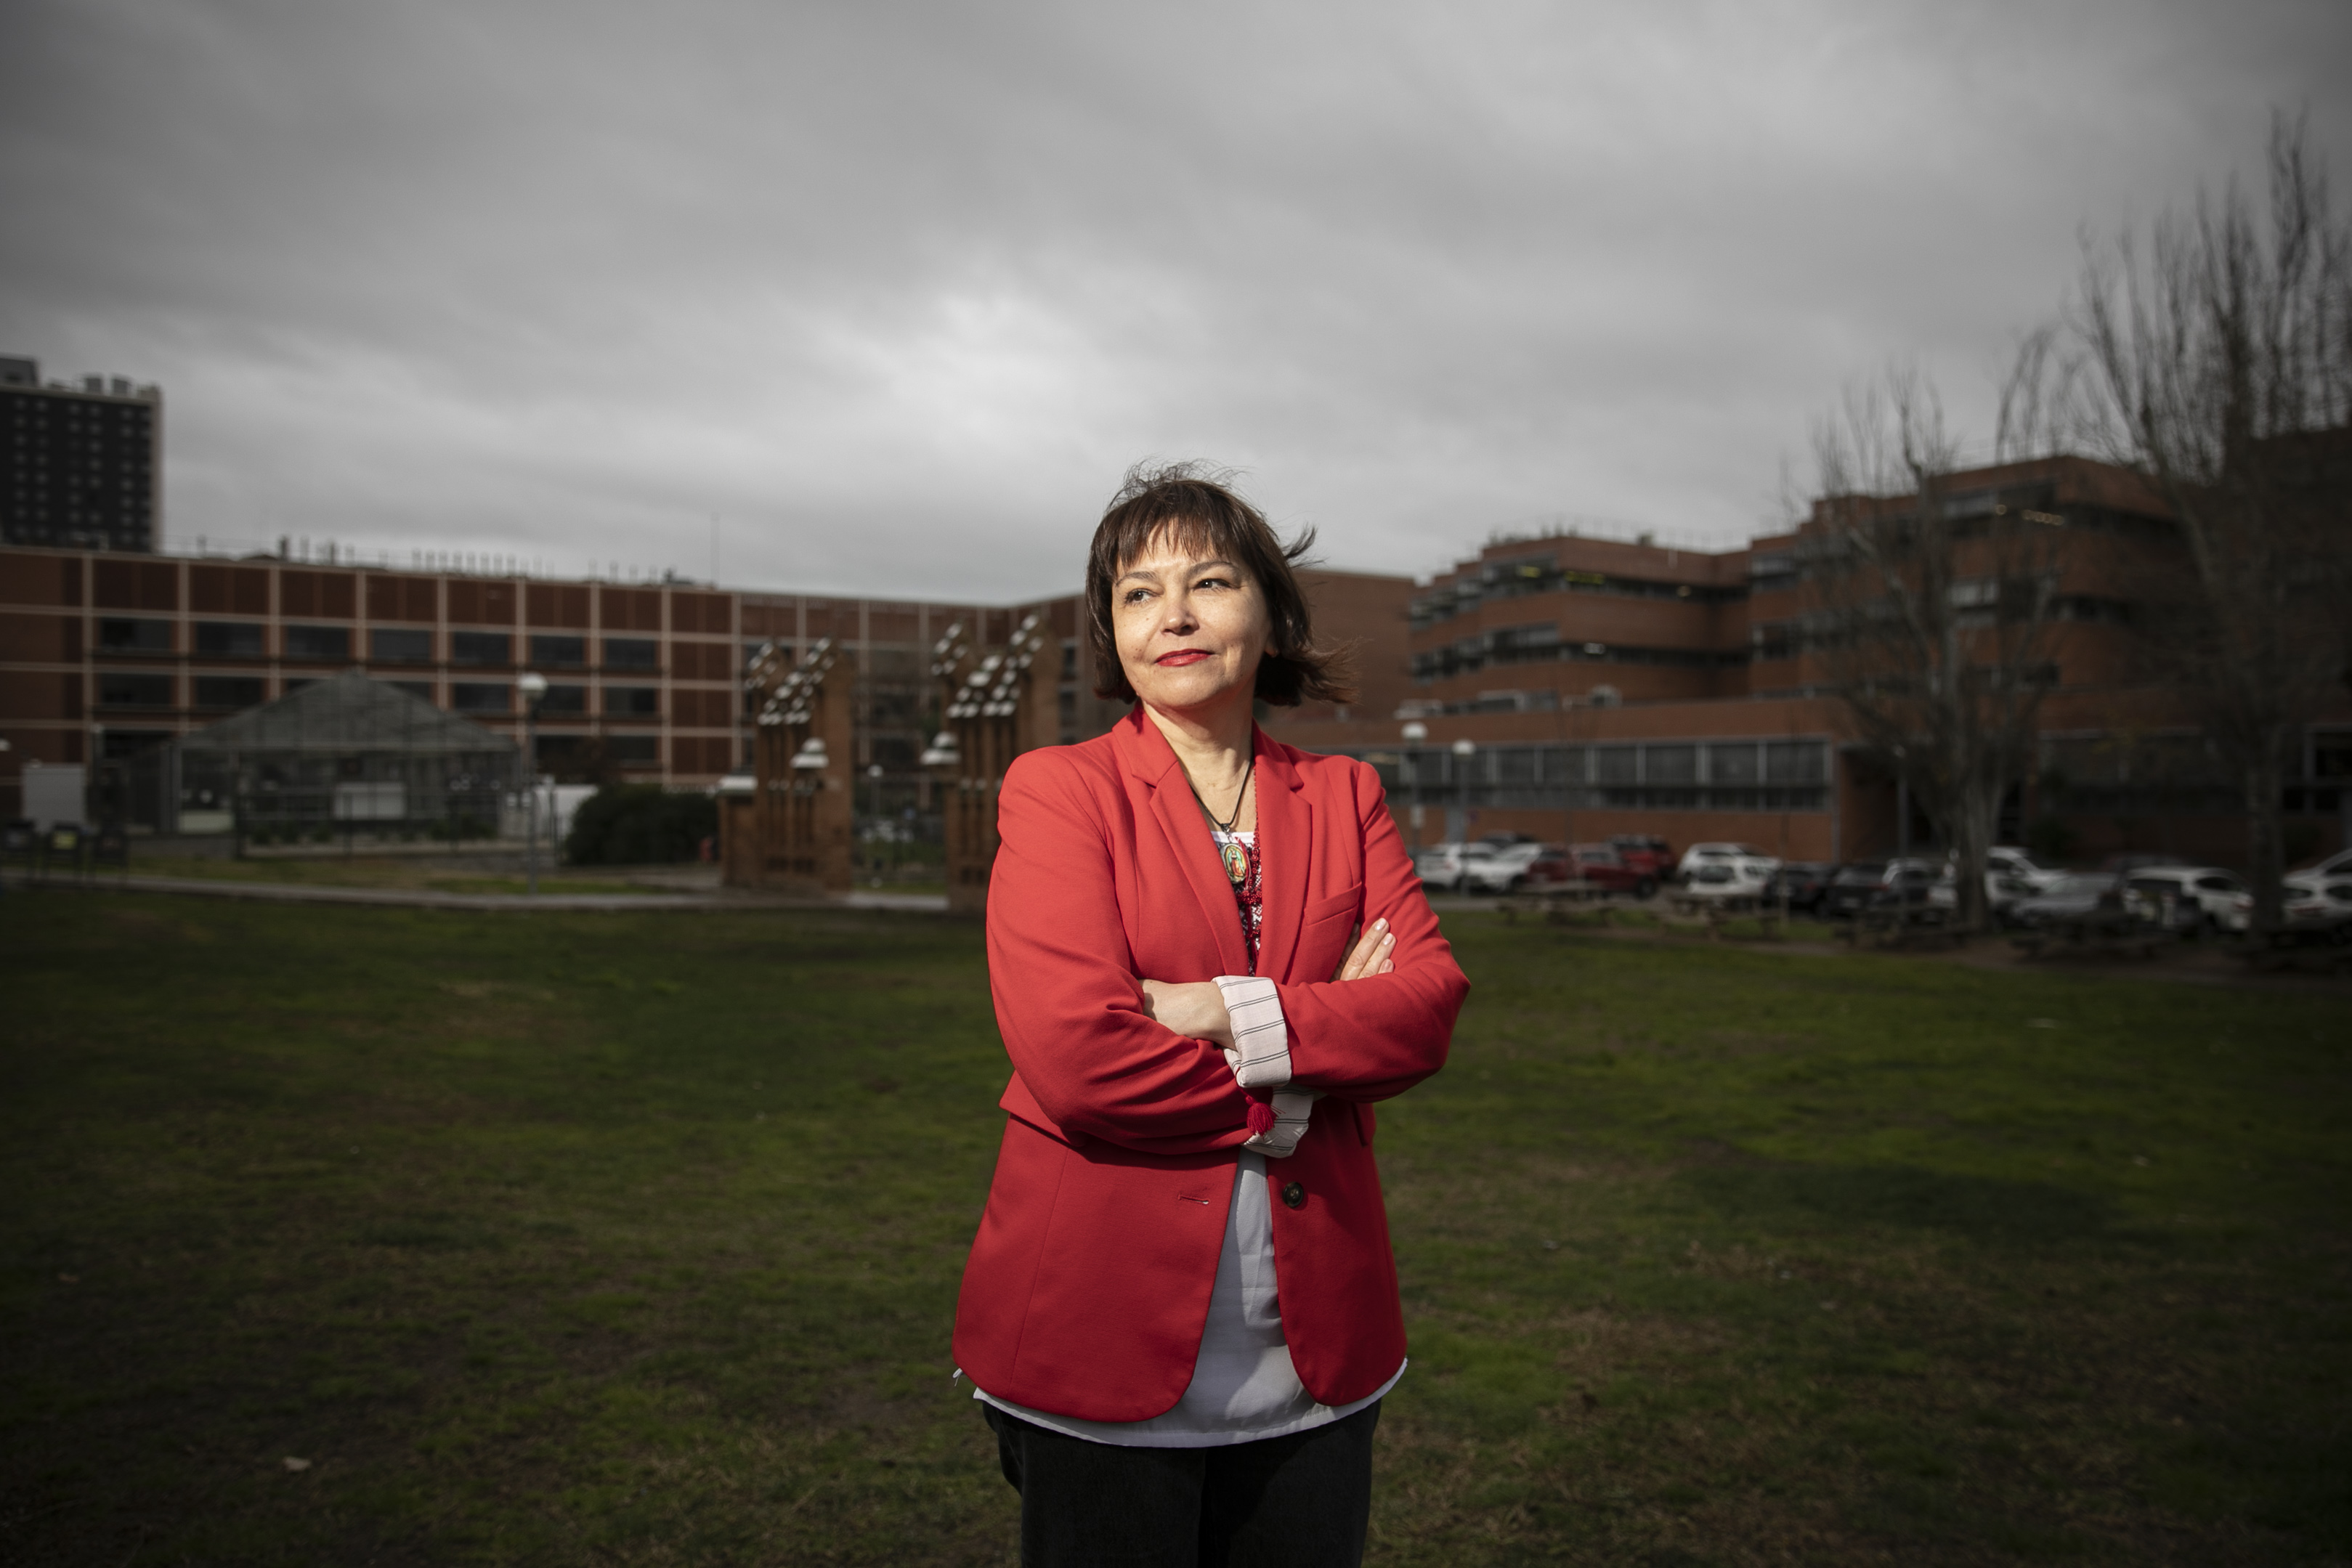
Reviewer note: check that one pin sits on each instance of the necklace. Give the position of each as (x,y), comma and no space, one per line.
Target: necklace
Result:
(1235,858)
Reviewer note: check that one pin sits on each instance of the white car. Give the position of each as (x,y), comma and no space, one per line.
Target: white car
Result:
(1738,879)
(1499,871)
(2317,900)
(2008,861)
(2337,864)
(2011,876)
(1452,866)
(2219,897)
(1699,855)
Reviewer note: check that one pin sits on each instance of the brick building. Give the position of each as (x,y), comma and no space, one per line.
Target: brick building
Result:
(1606,686)
(1603,686)
(104,656)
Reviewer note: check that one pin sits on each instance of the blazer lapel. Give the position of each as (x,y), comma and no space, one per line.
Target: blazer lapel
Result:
(1286,837)
(1150,760)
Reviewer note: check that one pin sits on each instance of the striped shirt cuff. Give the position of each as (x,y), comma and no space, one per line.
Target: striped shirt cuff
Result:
(1291,1109)
(1260,1054)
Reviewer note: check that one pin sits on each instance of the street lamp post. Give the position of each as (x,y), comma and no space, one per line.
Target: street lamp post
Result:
(533,687)
(1463,750)
(873,771)
(1414,734)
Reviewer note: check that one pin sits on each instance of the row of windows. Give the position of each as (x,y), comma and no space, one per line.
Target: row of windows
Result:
(1541,645)
(1672,776)
(142,689)
(386,644)
(1740,764)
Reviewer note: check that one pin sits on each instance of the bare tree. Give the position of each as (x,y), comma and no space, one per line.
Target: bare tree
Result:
(2221,369)
(1932,611)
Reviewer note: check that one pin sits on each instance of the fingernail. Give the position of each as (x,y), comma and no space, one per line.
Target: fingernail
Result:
(1387,938)
(1380,925)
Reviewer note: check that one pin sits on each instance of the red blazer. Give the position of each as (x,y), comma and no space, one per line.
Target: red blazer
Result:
(1088,1283)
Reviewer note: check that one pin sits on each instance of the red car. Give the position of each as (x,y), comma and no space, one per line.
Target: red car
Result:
(1600,864)
(1645,852)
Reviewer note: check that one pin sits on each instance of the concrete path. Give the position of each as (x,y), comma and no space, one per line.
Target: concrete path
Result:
(426,898)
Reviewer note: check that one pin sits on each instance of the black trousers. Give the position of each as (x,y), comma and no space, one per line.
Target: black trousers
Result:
(1300,1502)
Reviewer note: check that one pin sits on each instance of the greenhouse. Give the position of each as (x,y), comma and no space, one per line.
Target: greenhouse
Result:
(345,757)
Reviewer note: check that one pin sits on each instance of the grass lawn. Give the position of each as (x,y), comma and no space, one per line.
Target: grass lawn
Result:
(634,1239)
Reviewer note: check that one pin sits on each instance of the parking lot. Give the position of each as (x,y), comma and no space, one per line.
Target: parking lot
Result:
(2136,905)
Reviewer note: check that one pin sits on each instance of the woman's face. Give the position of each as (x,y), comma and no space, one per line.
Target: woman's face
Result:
(1190,629)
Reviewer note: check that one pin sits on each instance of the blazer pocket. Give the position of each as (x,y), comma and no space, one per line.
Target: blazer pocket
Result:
(1338,904)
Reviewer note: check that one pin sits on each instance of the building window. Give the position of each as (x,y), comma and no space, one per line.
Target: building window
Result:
(481,648)
(122,636)
(1796,762)
(332,643)
(229,639)
(632,654)
(228,691)
(558,652)
(127,689)
(1732,762)
(564,700)
(634,750)
(478,697)
(633,702)
(396,645)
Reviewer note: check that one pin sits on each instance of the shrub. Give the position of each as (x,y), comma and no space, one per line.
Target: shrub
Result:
(630,824)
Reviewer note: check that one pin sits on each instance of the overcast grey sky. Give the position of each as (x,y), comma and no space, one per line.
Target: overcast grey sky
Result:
(897,291)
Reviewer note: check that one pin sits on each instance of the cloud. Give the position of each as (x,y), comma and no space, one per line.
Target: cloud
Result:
(897,291)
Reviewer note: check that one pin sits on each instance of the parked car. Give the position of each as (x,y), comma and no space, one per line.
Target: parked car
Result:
(1437,864)
(2320,902)
(2219,899)
(1738,881)
(1860,884)
(2001,890)
(1698,855)
(2160,901)
(2337,864)
(1499,871)
(2009,875)
(1448,865)
(1802,882)
(1645,852)
(2081,893)
(2008,861)
(1600,864)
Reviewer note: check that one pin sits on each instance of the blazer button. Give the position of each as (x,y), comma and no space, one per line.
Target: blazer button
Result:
(1294,1194)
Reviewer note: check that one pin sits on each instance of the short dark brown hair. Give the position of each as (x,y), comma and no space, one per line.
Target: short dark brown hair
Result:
(1195,507)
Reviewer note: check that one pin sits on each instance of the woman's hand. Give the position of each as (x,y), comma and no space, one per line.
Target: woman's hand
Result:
(1371,954)
(1195,1008)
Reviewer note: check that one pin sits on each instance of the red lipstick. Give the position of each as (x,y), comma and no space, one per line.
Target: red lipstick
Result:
(1181,658)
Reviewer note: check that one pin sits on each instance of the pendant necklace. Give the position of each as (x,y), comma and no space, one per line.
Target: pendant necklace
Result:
(1229,850)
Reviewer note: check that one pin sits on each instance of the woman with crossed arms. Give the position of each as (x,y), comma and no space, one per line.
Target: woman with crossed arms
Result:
(1209,958)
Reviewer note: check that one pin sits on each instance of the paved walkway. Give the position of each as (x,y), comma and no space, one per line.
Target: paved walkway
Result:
(427,898)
